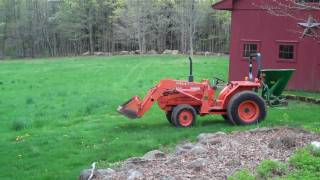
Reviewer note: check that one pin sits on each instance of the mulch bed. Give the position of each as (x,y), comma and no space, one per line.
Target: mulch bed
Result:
(215,156)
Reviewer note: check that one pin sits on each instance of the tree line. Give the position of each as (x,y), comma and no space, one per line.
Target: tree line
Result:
(31,28)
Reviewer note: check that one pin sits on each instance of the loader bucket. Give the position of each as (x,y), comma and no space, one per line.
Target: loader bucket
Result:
(130,108)
(276,80)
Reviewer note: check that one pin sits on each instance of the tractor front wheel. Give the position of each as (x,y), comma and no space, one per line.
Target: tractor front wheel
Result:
(183,116)
(246,108)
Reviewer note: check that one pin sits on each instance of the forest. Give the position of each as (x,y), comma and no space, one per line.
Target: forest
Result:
(43,28)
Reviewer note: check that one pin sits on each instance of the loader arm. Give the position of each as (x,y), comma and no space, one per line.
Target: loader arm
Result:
(136,108)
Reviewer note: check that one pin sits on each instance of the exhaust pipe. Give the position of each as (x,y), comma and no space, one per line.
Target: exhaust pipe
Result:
(190,74)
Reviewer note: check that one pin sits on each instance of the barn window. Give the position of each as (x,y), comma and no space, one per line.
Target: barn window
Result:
(287,51)
(249,48)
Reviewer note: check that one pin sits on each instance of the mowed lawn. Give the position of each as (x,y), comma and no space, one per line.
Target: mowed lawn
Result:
(57,116)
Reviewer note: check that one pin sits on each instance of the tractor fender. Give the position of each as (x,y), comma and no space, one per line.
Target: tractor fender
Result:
(233,88)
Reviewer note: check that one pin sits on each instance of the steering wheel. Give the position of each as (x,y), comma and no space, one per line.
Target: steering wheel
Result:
(218,80)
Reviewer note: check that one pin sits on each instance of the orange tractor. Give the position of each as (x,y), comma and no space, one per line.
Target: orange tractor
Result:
(182,101)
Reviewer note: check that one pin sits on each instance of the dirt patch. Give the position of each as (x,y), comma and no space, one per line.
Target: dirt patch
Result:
(215,156)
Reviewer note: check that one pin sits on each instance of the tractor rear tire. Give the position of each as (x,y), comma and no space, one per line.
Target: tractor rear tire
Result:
(168,116)
(183,116)
(246,108)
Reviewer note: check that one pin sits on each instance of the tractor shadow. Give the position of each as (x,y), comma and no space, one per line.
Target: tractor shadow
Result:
(164,125)
(214,122)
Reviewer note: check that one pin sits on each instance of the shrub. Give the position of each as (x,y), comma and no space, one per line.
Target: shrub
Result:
(242,175)
(305,160)
(268,169)
(29,100)
(19,124)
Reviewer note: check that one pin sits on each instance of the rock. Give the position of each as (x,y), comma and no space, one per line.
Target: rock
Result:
(152,52)
(302,98)
(207,53)
(311,100)
(136,160)
(156,154)
(173,160)
(131,163)
(199,150)
(179,150)
(167,51)
(315,146)
(97,174)
(99,53)
(282,142)
(135,175)
(104,172)
(124,53)
(198,164)
(85,174)
(137,52)
(187,146)
(175,52)
(291,97)
(200,53)
(204,138)
(86,54)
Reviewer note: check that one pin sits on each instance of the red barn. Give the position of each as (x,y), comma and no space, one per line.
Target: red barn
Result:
(285,41)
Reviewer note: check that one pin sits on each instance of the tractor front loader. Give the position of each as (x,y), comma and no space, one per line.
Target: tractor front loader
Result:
(182,101)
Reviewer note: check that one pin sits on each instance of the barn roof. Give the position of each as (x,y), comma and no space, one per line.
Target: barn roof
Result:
(224,5)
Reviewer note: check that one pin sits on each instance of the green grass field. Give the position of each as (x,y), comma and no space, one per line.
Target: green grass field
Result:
(57,116)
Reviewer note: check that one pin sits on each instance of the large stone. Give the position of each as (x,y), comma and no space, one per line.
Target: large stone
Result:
(205,138)
(207,53)
(123,52)
(136,160)
(175,52)
(156,154)
(152,52)
(86,54)
(131,163)
(179,150)
(167,51)
(85,174)
(99,53)
(137,52)
(135,175)
(198,164)
(187,146)
(200,53)
(315,146)
(97,174)
(291,97)
(198,150)
(104,172)
(282,142)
